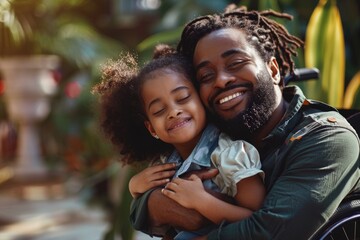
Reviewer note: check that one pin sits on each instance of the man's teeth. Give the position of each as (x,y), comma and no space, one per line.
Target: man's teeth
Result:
(228,98)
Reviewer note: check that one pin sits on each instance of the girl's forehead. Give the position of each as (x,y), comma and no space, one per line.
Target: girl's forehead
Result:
(165,80)
(167,71)
(167,74)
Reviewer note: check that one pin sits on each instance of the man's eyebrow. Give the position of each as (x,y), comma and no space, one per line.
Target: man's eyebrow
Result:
(172,91)
(223,55)
(232,52)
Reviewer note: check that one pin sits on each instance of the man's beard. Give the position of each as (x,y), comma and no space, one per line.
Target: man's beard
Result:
(256,114)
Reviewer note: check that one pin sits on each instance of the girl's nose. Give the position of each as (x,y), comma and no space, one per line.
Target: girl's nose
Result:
(175,113)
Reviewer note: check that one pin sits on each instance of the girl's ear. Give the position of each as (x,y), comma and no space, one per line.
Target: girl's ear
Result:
(150,128)
(274,71)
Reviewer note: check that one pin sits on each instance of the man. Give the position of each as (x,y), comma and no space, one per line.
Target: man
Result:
(309,152)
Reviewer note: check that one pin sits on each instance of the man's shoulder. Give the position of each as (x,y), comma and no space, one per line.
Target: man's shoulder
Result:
(318,118)
(323,114)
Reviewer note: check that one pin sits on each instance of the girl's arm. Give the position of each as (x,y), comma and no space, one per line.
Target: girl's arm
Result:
(250,192)
(191,194)
(154,176)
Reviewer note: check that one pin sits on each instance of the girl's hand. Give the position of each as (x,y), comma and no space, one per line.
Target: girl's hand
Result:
(154,176)
(186,192)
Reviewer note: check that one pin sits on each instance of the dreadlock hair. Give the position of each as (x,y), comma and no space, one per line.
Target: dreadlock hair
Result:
(121,104)
(266,35)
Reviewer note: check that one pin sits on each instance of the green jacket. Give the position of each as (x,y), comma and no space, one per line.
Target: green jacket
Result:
(311,162)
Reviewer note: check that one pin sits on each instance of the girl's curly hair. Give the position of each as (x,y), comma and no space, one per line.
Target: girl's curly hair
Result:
(121,106)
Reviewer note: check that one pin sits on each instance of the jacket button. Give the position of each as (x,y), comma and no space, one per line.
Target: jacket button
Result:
(331,119)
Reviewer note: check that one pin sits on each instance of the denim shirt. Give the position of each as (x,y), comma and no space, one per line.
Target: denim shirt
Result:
(200,157)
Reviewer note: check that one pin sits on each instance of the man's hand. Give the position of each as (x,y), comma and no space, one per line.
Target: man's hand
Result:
(165,211)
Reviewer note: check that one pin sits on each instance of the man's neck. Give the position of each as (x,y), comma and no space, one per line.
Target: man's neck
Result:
(275,118)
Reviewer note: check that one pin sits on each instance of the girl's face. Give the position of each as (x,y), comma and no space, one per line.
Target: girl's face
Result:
(174,110)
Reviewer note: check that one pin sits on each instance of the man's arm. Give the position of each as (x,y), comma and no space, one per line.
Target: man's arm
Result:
(164,211)
(153,212)
(318,171)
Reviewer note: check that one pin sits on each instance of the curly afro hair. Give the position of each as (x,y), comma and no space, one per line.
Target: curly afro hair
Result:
(121,106)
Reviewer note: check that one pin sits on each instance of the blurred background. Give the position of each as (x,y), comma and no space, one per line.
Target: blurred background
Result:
(59,177)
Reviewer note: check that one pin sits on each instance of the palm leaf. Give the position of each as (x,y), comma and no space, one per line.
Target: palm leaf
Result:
(352,90)
(325,50)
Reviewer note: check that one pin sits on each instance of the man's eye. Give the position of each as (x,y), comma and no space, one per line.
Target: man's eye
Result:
(234,65)
(204,78)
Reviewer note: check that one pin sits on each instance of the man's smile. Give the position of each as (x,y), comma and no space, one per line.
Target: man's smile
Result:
(229,98)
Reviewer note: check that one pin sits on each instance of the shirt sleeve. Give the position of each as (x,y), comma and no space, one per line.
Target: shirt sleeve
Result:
(138,212)
(236,160)
(320,169)
(139,209)
(139,216)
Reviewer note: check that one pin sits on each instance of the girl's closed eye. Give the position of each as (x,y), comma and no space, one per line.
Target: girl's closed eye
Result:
(184,99)
(158,112)
(157,109)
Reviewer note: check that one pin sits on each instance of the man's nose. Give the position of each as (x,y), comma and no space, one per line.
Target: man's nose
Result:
(224,79)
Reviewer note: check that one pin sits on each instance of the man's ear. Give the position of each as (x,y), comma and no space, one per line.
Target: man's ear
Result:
(274,71)
(150,128)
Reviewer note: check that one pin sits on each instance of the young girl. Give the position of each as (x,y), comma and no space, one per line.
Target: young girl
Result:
(157,112)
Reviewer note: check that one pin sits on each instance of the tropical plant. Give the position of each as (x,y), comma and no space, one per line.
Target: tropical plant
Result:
(325,49)
(352,93)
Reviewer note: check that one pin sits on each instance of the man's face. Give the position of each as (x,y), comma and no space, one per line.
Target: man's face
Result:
(235,83)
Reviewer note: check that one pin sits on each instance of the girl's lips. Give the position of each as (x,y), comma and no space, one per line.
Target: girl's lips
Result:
(178,123)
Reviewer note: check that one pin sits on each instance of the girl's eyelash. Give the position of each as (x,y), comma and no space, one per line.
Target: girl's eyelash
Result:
(158,112)
(184,98)
(180,100)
